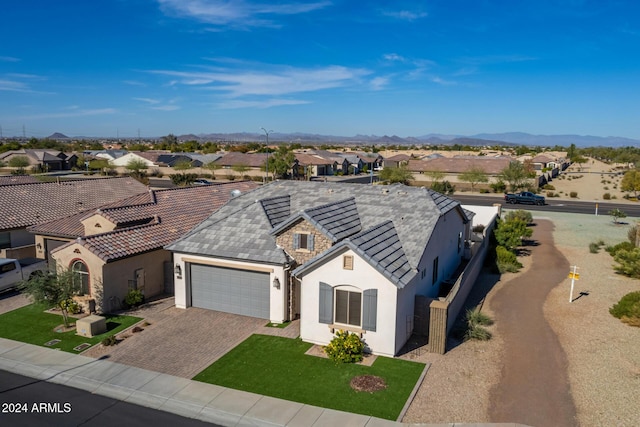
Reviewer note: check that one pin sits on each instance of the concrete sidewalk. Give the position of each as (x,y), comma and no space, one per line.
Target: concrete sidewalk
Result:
(193,399)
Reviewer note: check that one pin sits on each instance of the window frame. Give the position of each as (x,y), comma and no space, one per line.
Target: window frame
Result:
(83,275)
(350,305)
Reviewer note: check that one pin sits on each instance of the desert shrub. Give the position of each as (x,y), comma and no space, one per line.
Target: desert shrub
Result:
(345,347)
(548,187)
(628,262)
(551,194)
(594,248)
(506,260)
(443,187)
(484,191)
(109,341)
(475,326)
(605,187)
(71,306)
(628,309)
(230,177)
(606,196)
(155,172)
(573,194)
(631,234)
(520,214)
(498,186)
(133,298)
(622,246)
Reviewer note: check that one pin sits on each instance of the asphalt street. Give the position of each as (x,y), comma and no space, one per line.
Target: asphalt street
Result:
(30,402)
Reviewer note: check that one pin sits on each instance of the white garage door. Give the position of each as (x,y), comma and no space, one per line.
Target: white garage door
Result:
(229,290)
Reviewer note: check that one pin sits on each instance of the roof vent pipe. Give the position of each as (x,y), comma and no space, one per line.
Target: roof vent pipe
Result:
(235,193)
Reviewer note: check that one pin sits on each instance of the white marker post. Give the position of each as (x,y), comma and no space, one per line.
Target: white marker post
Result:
(573,276)
(596,209)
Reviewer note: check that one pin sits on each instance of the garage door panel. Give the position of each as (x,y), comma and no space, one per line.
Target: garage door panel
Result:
(229,290)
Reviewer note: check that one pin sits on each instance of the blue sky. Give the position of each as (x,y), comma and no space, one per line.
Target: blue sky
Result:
(335,67)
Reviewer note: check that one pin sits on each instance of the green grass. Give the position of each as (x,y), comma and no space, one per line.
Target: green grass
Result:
(31,324)
(278,367)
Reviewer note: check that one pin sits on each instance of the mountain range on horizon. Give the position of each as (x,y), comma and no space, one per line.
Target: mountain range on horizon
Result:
(506,138)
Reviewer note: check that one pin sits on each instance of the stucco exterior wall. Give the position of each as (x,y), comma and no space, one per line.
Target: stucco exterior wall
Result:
(278,297)
(118,275)
(97,224)
(362,277)
(444,245)
(320,242)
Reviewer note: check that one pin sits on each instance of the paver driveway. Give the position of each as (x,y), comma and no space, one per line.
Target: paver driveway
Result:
(183,342)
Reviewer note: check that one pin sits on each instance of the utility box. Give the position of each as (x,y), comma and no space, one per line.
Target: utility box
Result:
(91,326)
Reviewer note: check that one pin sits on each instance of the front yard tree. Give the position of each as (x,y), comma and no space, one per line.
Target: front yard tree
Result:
(510,233)
(516,175)
(281,161)
(137,168)
(53,290)
(474,176)
(212,167)
(631,182)
(183,178)
(394,175)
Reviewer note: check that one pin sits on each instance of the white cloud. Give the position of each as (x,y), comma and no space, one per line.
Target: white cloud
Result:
(443,82)
(235,83)
(378,83)
(148,100)
(74,113)
(9,59)
(13,86)
(239,13)
(405,15)
(134,83)
(166,108)
(267,103)
(394,57)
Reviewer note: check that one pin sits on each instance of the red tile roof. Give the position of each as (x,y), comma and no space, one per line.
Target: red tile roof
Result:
(253,160)
(172,213)
(17,179)
(29,204)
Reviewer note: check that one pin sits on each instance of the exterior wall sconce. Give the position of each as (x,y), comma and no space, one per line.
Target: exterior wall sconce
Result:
(39,246)
(276,283)
(178,271)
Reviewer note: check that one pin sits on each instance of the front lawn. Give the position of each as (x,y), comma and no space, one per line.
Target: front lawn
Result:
(278,367)
(31,324)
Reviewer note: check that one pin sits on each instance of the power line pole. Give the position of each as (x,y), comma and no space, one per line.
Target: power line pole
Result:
(24,132)
(266,179)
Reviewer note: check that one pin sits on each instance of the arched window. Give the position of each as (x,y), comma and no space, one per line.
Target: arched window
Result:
(81,277)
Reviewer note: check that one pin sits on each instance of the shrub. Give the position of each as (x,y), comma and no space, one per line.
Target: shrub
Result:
(506,260)
(573,194)
(548,187)
(498,187)
(628,309)
(593,248)
(628,262)
(71,306)
(231,177)
(345,347)
(109,341)
(443,187)
(606,196)
(632,234)
(133,298)
(551,194)
(478,228)
(475,326)
(520,214)
(622,246)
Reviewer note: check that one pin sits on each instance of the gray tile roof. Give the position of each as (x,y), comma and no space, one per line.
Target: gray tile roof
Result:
(29,204)
(336,220)
(277,209)
(242,230)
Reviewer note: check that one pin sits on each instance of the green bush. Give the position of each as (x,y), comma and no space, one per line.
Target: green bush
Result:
(606,196)
(506,260)
(548,187)
(443,187)
(109,341)
(345,347)
(628,262)
(498,187)
(594,248)
(71,306)
(622,246)
(520,214)
(475,326)
(133,298)
(628,309)
(573,194)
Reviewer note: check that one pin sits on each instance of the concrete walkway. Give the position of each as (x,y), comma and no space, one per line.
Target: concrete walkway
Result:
(173,394)
(534,388)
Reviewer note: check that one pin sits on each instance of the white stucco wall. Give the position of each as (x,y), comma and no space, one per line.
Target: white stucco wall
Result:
(484,215)
(363,276)
(278,297)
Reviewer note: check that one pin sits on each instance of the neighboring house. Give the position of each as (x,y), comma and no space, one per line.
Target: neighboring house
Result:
(149,159)
(29,204)
(253,161)
(109,155)
(119,246)
(396,161)
(310,165)
(42,159)
(339,256)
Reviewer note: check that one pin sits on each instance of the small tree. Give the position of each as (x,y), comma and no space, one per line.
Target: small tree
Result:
(137,168)
(183,178)
(212,167)
(240,169)
(396,175)
(474,176)
(516,175)
(54,290)
(631,182)
(617,214)
(19,162)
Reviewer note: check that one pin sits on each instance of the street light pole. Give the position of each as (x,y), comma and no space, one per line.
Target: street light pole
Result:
(266,178)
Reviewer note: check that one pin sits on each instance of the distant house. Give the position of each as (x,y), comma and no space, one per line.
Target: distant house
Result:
(149,159)
(396,161)
(24,205)
(339,256)
(109,155)
(310,165)
(42,159)
(253,161)
(119,246)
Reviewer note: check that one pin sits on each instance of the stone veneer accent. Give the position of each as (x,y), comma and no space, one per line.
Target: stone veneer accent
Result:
(320,242)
